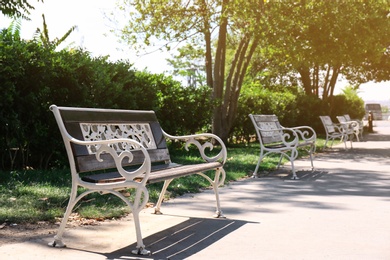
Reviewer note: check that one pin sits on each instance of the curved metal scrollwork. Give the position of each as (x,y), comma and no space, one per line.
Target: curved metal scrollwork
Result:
(107,146)
(139,132)
(119,157)
(202,147)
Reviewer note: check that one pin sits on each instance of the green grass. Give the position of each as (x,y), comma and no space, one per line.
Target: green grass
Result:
(34,195)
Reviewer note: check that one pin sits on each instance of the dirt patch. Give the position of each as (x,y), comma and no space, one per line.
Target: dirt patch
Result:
(11,233)
(17,233)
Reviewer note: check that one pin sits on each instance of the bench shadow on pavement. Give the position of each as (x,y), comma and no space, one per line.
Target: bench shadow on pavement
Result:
(182,240)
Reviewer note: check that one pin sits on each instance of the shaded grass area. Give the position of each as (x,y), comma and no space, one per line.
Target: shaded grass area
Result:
(33,195)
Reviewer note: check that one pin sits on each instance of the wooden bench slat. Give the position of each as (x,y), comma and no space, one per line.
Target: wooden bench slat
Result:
(183,170)
(89,163)
(159,172)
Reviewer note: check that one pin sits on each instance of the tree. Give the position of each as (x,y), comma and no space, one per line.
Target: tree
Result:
(19,8)
(215,26)
(43,36)
(189,63)
(321,40)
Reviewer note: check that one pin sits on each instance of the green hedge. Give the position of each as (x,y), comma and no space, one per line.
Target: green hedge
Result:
(292,107)
(34,77)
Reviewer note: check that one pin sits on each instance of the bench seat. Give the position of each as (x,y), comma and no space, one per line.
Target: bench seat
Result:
(159,173)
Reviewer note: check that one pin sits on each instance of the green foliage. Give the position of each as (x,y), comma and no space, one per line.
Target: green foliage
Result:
(204,29)
(34,77)
(255,99)
(189,63)
(287,43)
(36,195)
(185,110)
(43,36)
(343,105)
(314,42)
(292,107)
(19,8)
(355,104)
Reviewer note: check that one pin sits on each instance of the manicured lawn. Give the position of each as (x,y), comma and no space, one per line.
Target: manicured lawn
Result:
(35,195)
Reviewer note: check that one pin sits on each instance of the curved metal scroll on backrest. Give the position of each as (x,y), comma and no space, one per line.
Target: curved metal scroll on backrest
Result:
(91,124)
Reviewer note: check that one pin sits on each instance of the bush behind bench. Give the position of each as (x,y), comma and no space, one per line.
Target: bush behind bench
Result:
(33,77)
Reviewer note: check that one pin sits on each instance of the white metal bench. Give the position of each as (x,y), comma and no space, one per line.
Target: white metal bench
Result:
(274,138)
(127,149)
(359,127)
(335,131)
(352,127)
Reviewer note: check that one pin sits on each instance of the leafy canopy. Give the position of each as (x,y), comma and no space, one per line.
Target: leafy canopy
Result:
(18,8)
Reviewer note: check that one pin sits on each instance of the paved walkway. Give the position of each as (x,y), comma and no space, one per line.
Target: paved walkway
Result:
(339,211)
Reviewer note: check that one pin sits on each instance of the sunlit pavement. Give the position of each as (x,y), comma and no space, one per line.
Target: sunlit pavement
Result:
(341,210)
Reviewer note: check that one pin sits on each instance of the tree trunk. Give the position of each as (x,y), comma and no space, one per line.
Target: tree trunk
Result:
(219,72)
(208,54)
(306,80)
(227,97)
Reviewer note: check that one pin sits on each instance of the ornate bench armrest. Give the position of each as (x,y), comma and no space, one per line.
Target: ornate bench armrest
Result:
(339,127)
(348,126)
(352,124)
(127,147)
(285,135)
(202,142)
(305,133)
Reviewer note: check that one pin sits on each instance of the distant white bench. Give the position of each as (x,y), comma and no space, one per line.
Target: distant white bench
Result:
(274,138)
(336,131)
(358,126)
(110,150)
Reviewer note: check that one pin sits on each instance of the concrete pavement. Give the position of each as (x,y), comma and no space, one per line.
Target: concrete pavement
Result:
(339,211)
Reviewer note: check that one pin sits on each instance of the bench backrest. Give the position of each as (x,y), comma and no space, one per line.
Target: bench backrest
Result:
(328,124)
(268,128)
(91,124)
(347,117)
(342,119)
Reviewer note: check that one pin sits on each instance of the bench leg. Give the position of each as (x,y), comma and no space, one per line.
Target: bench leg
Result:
(219,179)
(216,183)
(348,138)
(254,175)
(293,156)
(311,151)
(280,160)
(357,136)
(161,197)
(72,202)
(294,177)
(136,209)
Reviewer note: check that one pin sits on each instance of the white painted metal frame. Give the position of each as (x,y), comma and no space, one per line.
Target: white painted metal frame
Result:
(351,127)
(119,140)
(334,131)
(220,174)
(106,146)
(275,138)
(360,126)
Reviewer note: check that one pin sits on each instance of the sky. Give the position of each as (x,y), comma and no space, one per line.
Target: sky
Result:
(93,34)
